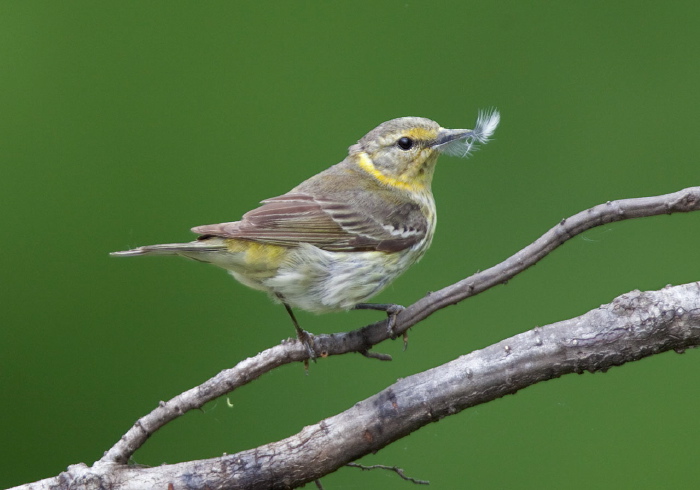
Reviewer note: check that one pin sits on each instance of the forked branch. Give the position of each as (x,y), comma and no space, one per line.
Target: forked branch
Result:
(633,326)
(363,339)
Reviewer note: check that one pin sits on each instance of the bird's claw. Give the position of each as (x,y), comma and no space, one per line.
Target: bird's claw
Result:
(392,311)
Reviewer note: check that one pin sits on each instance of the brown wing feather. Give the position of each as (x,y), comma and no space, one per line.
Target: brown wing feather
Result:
(297,218)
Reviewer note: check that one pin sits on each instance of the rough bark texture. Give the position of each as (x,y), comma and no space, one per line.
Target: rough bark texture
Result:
(633,326)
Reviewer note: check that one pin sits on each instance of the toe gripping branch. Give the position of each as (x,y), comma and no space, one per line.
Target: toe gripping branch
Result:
(392,311)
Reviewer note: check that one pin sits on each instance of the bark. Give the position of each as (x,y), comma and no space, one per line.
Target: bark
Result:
(633,326)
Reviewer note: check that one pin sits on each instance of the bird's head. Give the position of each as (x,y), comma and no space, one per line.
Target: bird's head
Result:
(402,152)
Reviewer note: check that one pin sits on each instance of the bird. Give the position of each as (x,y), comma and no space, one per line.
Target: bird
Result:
(340,237)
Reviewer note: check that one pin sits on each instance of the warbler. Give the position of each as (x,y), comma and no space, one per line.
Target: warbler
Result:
(340,237)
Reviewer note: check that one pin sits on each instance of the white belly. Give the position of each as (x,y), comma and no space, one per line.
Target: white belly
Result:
(319,281)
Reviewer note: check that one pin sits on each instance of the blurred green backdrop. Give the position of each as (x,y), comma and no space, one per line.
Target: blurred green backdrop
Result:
(126,123)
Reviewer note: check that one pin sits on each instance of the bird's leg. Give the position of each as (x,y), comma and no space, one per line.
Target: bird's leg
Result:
(390,309)
(303,336)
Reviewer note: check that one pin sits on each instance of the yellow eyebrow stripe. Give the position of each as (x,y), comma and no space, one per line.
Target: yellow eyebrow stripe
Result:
(367,165)
(422,134)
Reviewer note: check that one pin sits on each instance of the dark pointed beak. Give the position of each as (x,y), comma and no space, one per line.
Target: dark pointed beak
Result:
(445,136)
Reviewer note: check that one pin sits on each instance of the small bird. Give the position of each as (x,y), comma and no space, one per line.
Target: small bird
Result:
(342,236)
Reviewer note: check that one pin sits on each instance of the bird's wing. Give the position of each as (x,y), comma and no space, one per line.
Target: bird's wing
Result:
(326,223)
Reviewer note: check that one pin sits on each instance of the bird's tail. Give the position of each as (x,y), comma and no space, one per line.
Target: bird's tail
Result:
(186,249)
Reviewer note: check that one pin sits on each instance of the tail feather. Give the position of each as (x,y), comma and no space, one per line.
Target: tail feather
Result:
(172,249)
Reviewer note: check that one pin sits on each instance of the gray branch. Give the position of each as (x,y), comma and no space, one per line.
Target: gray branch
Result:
(631,327)
(363,339)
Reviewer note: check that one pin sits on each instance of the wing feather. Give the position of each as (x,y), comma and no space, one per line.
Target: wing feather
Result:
(326,223)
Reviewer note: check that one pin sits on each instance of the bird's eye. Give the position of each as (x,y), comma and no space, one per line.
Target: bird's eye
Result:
(405,143)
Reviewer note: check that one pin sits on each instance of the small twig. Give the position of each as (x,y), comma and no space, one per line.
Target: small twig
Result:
(683,201)
(376,355)
(395,469)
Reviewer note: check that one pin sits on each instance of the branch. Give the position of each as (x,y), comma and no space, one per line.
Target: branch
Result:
(635,325)
(363,339)
(683,201)
(360,341)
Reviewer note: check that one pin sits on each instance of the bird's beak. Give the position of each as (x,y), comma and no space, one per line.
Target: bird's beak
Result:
(455,142)
(459,142)
(446,136)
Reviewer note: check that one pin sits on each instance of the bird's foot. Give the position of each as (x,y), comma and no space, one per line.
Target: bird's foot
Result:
(307,340)
(390,309)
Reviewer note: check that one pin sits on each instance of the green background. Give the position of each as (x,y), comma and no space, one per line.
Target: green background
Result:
(126,123)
